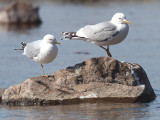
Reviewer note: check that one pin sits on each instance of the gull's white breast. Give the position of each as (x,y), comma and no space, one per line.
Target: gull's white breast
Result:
(48,53)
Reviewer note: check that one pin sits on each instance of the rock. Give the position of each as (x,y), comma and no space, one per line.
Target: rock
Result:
(18,13)
(1,92)
(101,79)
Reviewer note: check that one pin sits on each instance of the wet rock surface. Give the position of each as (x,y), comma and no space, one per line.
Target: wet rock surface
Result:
(101,79)
(19,12)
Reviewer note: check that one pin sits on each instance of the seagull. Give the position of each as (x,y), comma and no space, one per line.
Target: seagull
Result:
(102,34)
(42,51)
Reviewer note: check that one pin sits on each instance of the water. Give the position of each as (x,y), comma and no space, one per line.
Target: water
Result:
(141,46)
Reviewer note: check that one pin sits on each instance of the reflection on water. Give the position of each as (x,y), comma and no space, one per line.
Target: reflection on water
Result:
(141,46)
(18,27)
(97,111)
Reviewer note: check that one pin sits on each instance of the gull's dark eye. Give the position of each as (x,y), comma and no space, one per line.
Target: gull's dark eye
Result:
(50,39)
(120,18)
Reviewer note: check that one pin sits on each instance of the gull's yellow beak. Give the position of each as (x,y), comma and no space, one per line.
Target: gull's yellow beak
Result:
(126,21)
(57,43)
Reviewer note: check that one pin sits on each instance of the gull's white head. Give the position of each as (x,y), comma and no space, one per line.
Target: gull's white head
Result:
(50,39)
(119,18)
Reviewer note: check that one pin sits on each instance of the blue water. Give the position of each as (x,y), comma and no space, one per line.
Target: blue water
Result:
(141,46)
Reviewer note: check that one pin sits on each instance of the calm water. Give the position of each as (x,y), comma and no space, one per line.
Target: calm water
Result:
(141,46)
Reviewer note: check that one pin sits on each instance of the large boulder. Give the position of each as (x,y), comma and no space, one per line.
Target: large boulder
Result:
(19,12)
(101,79)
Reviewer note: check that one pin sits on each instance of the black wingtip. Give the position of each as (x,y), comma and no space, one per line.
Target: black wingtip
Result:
(23,45)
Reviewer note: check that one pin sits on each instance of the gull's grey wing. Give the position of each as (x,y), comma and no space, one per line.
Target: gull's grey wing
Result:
(32,49)
(99,32)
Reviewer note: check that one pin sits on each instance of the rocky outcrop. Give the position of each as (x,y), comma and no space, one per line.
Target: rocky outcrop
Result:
(1,92)
(18,13)
(101,79)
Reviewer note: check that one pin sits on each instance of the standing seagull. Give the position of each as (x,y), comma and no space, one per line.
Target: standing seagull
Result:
(102,34)
(41,51)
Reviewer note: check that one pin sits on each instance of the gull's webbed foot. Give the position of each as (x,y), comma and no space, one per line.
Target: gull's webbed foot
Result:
(47,76)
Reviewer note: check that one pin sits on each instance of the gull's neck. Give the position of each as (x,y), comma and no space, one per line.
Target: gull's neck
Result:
(119,26)
(46,44)
(114,22)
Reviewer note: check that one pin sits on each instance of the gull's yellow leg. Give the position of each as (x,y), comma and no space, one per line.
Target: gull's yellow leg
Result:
(109,54)
(43,72)
(107,50)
